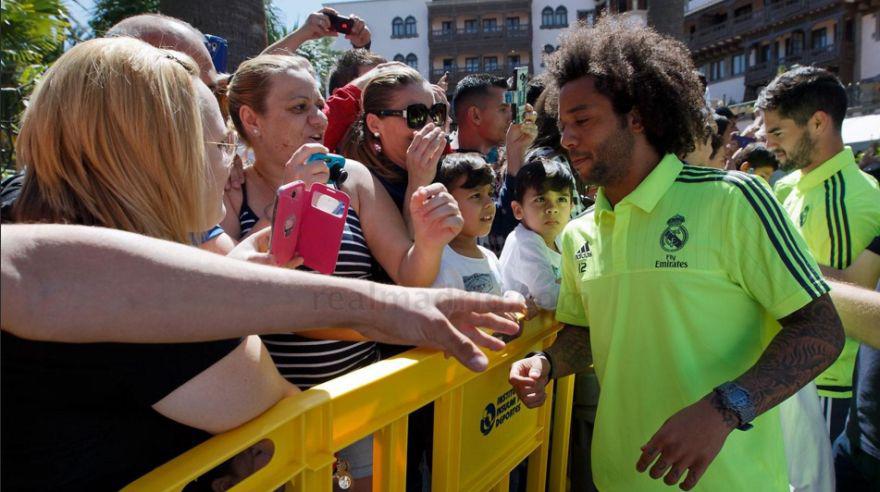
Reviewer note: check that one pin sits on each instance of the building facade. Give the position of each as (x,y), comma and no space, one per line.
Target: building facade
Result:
(740,45)
(467,36)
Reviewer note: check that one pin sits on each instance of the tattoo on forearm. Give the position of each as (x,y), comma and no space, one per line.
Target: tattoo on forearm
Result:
(810,341)
(571,351)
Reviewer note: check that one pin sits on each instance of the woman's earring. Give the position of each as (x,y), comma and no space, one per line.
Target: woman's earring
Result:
(256,131)
(376,134)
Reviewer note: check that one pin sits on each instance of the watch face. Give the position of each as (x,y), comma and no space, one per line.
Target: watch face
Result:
(738,397)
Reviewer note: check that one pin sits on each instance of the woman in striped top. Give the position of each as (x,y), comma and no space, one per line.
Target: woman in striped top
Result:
(275,105)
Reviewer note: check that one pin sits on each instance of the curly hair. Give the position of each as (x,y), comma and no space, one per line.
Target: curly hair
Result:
(637,69)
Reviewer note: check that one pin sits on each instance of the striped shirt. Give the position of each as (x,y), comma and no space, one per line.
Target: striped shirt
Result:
(306,362)
(836,207)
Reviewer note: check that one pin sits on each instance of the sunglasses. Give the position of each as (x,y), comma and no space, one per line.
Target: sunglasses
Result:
(416,115)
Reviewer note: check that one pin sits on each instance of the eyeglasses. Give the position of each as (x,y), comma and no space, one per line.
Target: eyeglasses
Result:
(416,115)
(229,147)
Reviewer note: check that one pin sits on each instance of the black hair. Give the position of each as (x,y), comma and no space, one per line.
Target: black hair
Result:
(725,112)
(757,155)
(542,175)
(471,165)
(798,93)
(639,70)
(472,88)
(721,123)
(348,65)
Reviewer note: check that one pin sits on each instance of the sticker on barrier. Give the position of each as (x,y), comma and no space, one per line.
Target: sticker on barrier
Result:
(494,421)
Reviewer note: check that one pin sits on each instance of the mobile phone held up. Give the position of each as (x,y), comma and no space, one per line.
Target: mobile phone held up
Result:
(516,96)
(308,222)
(335,163)
(339,23)
(218,48)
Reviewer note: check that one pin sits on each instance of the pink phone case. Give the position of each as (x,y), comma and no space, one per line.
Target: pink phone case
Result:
(309,223)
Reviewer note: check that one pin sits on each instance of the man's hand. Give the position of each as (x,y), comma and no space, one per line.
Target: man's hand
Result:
(519,139)
(445,319)
(688,442)
(529,377)
(436,219)
(360,33)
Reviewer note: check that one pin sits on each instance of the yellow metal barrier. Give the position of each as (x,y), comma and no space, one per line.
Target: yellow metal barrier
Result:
(481,430)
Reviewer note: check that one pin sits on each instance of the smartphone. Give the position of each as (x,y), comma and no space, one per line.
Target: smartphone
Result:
(308,222)
(335,163)
(516,96)
(339,23)
(219,50)
(743,141)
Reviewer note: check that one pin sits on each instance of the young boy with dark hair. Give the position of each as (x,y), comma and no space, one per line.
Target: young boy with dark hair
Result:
(542,201)
(466,265)
(758,160)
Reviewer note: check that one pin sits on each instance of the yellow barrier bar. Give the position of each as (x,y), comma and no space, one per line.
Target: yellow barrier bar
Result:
(481,430)
(389,471)
(562,411)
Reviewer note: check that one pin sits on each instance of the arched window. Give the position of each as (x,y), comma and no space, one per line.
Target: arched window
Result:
(399,58)
(397,28)
(561,16)
(412,61)
(548,48)
(547,17)
(411,27)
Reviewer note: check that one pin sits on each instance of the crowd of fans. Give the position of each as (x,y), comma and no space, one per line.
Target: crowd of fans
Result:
(138,132)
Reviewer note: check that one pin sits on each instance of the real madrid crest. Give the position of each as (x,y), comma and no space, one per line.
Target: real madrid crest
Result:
(675,235)
(803,217)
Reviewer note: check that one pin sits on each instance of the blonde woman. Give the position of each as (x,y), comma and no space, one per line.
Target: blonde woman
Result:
(123,135)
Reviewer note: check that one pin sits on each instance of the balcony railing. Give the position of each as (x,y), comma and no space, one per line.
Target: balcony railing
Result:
(520,31)
(457,73)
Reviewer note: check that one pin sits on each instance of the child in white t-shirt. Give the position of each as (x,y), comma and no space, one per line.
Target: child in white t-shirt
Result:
(466,265)
(542,201)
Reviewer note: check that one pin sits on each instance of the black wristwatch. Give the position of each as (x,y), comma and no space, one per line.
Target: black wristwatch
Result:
(550,374)
(738,400)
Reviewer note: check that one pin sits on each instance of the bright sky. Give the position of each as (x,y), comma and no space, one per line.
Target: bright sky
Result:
(292,10)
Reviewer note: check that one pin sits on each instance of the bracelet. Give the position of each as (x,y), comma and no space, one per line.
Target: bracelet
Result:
(545,355)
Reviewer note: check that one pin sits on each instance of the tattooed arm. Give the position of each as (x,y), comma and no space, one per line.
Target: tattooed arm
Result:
(570,353)
(810,340)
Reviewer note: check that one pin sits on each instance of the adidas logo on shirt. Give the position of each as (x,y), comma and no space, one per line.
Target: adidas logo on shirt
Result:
(583,253)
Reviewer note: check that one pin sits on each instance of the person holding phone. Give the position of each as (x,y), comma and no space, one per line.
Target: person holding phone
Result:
(276,106)
(323,23)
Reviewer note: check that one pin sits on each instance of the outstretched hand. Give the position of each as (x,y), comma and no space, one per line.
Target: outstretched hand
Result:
(444,319)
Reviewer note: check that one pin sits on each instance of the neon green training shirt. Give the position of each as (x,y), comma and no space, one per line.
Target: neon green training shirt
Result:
(680,285)
(836,207)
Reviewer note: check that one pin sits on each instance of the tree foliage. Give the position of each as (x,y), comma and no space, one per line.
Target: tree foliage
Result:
(108,12)
(32,37)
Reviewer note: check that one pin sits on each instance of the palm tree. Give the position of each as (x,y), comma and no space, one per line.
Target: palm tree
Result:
(242,23)
(32,38)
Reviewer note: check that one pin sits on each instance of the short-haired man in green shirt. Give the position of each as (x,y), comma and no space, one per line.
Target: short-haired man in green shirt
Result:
(674,282)
(834,205)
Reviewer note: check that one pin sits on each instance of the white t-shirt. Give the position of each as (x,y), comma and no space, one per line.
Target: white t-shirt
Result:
(470,274)
(529,267)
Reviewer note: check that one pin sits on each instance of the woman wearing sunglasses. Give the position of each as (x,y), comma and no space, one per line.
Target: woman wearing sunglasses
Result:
(399,135)
(276,106)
